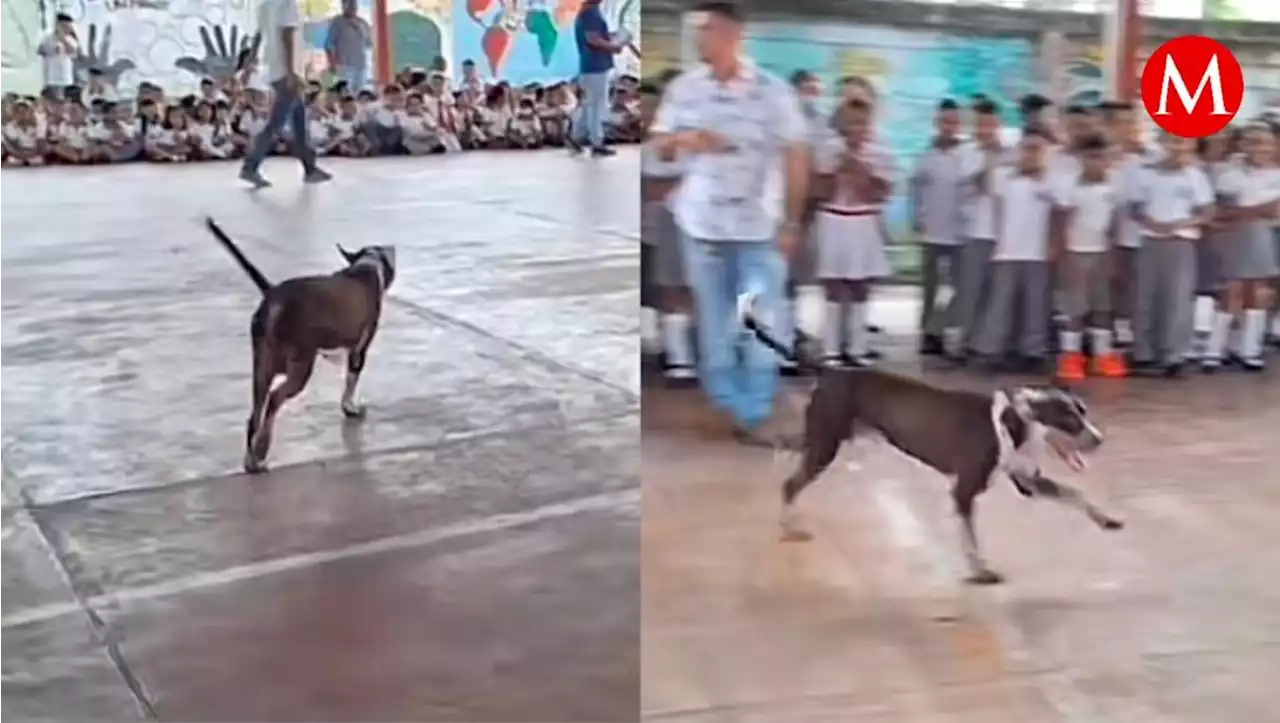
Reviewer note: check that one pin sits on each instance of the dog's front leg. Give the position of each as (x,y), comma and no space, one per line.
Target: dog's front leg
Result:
(964,494)
(355,365)
(1042,486)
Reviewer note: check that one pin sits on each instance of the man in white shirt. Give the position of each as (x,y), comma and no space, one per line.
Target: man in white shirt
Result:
(59,51)
(279,27)
(735,127)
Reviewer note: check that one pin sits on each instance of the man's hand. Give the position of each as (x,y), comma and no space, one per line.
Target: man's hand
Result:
(789,239)
(701,141)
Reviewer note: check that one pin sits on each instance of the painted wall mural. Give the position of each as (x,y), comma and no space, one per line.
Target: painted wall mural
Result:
(419,31)
(912,71)
(524,41)
(22,31)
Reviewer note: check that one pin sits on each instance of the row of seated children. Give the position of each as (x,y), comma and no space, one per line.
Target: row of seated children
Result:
(424,117)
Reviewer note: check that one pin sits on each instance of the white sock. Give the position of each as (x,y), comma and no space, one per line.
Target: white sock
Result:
(1255,326)
(832,329)
(1101,342)
(1217,343)
(1070,341)
(856,330)
(1124,331)
(1203,315)
(810,303)
(677,340)
(650,336)
(951,339)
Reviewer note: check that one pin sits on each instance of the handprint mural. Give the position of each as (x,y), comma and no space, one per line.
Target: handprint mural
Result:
(532,40)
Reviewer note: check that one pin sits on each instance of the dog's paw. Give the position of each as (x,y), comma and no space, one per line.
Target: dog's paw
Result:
(985,576)
(1110,523)
(354,411)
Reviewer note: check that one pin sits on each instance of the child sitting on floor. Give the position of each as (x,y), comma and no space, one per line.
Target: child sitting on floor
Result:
(70,141)
(524,130)
(116,136)
(24,137)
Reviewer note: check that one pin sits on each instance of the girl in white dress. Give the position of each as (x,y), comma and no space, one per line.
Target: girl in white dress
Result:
(855,179)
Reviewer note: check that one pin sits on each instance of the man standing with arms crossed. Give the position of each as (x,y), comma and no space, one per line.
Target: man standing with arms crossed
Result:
(596,49)
(279,28)
(735,128)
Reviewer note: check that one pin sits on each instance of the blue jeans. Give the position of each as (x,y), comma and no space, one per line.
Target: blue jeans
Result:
(589,128)
(288,107)
(739,374)
(356,77)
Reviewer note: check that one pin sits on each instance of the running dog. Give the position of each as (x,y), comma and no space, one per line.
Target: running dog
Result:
(962,434)
(302,317)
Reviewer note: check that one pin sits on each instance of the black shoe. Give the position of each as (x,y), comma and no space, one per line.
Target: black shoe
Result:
(573,146)
(1173,370)
(317,175)
(1253,365)
(254,178)
(873,329)
(931,345)
(1032,365)
(874,354)
(603,152)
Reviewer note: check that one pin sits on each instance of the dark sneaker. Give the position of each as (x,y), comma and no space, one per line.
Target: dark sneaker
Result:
(573,146)
(603,152)
(254,178)
(931,345)
(317,175)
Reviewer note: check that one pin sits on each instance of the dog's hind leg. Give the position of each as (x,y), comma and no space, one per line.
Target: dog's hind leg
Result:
(355,365)
(297,373)
(264,372)
(819,451)
(1042,486)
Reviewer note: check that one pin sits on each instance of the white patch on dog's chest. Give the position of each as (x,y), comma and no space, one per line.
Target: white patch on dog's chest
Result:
(1021,461)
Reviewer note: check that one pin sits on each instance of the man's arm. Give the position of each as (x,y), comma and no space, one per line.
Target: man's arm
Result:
(331,44)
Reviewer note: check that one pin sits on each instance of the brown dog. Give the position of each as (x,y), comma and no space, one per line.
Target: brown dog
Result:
(298,319)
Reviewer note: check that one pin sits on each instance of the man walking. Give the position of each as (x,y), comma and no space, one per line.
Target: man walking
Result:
(596,49)
(734,128)
(278,26)
(348,47)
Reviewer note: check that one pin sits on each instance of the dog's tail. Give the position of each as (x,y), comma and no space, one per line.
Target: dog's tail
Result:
(254,274)
(750,321)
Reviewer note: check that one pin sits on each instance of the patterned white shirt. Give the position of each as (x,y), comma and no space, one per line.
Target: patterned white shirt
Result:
(732,196)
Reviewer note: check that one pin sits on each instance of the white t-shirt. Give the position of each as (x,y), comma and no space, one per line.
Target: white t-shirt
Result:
(1250,186)
(1025,203)
(979,207)
(318,129)
(1169,196)
(937,180)
(384,116)
(1093,207)
(274,16)
(58,60)
(343,129)
(76,136)
(417,126)
(25,138)
(251,124)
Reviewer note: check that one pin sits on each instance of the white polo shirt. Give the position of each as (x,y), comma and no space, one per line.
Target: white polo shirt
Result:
(1169,196)
(938,185)
(58,60)
(1093,206)
(1025,203)
(732,196)
(979,220)
(1250,186)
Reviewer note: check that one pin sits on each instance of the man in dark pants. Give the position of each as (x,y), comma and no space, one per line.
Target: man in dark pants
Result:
(278,24)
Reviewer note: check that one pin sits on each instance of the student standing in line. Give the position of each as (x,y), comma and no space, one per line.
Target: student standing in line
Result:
(935,190)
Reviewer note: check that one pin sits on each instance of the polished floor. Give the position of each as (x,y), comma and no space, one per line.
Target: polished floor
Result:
(467,553)
(1175,619)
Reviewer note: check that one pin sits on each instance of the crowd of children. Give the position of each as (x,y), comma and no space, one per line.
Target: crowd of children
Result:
(418,114)
(1081,245)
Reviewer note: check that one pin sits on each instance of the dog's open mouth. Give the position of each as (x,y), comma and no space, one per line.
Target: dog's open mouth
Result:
(1065,447)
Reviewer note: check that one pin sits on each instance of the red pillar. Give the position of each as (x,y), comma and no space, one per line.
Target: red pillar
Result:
(1131,47)
(381,43)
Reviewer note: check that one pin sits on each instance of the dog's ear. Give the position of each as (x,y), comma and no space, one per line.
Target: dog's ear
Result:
(350,257)
(1016,425)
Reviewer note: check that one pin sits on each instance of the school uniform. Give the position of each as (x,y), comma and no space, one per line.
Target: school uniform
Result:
(662,265)
(1019,266)
(120,143)
(420,135)
(524,129)
(205,138)
(1128,241)
(76,137)
(24,140)
(936,190)
(384,129)
(849,244)
(1248,254)
(973,282)
(1166,266)
(1086,271)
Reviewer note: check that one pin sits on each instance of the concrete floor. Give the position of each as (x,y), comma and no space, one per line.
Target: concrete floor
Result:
(1175,619)
(468,553)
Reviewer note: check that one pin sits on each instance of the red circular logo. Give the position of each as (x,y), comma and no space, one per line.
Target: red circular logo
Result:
(1192,86)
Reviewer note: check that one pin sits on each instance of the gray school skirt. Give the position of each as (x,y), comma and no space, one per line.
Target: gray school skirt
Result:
(658,230)
(1249,252)
(1209,252)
